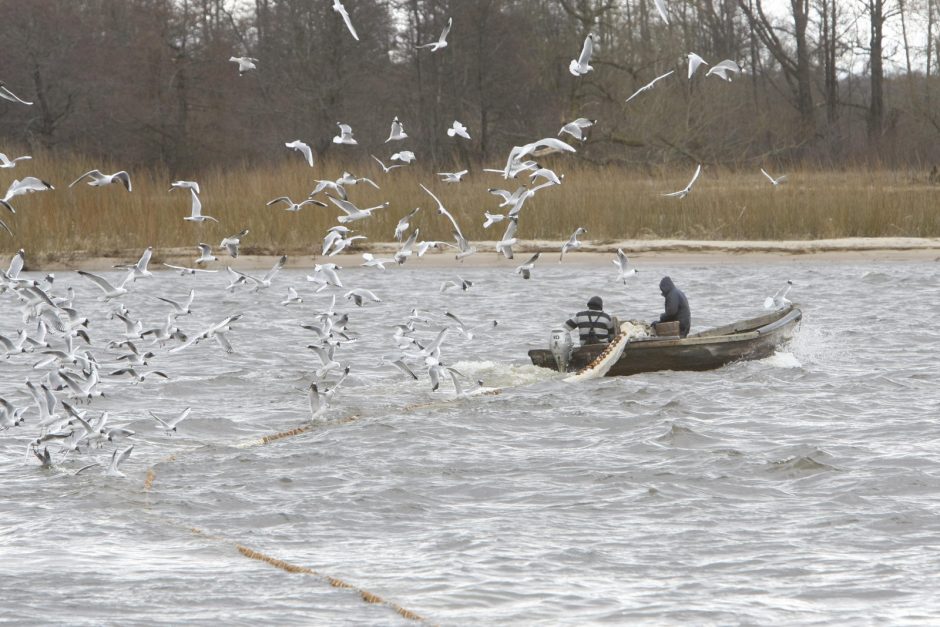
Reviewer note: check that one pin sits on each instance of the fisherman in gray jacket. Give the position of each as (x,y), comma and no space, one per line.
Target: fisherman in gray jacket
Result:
(676,306)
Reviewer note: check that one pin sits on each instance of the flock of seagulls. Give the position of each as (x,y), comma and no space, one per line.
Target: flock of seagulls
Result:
(76,361)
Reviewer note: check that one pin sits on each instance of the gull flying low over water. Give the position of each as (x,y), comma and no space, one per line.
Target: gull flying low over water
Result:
(295,206)
(442,40)
(139,270)
(650,84)
(232,242)
(401,256)
(28,185)
(172,423)
(582,65)
(97,179)
(117,458)
(345,135)
(682,193)
(371,261)
(459,130)
(526,269)
(779,299)
(245,64)
(621,262)
(452,177)
(181,309)
(195,210)
(6,94)
(576,129)
(572,243)
(695,62)
(6,162)
(397,132)
(463,284)
(339,8)
(463,246)
(263,282)
(293,298)
(724,69)
(205,253)
(303,149)
(359,295)
(387,168)
(505,245)
(774,181)
(183,270)
(110,291)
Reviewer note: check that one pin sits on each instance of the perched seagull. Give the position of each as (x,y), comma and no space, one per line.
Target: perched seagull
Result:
(576,129)
(98,179)
(459,130)
(694,62)
(245,64)
(724,69)
(387,168)
(232,242)
(205,253)
(345,135)
(621,262)
(682,193)
(405,156)
(661,7)
(492,218)
(442,40)
(5,161)
(193,185)
(397,132)
(774,181)
(303,149)
(779,300)
(295,206)
(6,94)
(118,458)
(28,185)
(339,8)
(582,65)
(359,295)
(526,269)
(404,224)
(505,245)
(293,298)
(463,284)
(139,270)
(452,177)
(572,243)
(650,85)
(195,211)
(109,290)
(172,423)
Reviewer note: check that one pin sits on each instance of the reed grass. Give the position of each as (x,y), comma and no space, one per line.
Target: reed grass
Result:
(611,202)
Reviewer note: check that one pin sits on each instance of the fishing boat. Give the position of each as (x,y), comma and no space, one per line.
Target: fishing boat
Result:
(754,338)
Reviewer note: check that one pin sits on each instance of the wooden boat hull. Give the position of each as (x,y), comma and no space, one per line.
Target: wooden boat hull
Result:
(755,338)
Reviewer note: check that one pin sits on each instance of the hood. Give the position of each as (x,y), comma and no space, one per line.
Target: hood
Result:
(595,303)
(666,285)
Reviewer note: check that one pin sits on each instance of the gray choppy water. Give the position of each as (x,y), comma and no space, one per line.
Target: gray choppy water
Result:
(804,488)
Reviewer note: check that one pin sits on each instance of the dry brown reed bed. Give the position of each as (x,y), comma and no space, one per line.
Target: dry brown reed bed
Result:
(612,203)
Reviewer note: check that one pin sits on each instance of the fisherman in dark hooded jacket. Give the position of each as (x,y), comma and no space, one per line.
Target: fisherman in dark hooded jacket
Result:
(677,306)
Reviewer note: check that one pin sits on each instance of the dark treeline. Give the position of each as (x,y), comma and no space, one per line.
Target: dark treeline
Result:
(149,81)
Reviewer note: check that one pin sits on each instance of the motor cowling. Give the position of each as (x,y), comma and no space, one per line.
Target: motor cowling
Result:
(560,346)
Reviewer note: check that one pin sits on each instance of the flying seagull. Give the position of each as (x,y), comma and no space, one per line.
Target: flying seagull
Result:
(339,8)
(97,179)
(526,269)
(397,132)
(452,177)
(779,300)
(232,242)
(295,206)
(458,129)
(661,7)
(694,62)
(405,156)
(6,94)
(193,185)
(650,85)
(6,162)
(621,262)
(774,181)
(576,129)
(245,64)
(28,185)
(303,149)
(572,242)
(345,135)
(582,65)
(442,40)
(387,168)
(195,211)
(724,69)
(682,193)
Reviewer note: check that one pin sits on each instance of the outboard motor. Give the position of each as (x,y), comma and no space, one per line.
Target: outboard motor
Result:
(560,345)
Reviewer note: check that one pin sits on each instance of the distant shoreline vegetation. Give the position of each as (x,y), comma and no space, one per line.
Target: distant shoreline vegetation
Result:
(612,202)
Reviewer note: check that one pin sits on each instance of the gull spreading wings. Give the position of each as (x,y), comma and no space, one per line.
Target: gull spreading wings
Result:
(650,85)
(339,8)
(97,179)
(303,149)
(582,65)
(682,193)
(442,40)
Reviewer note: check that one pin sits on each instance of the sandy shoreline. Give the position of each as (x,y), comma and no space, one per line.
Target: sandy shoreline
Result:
(592,252)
